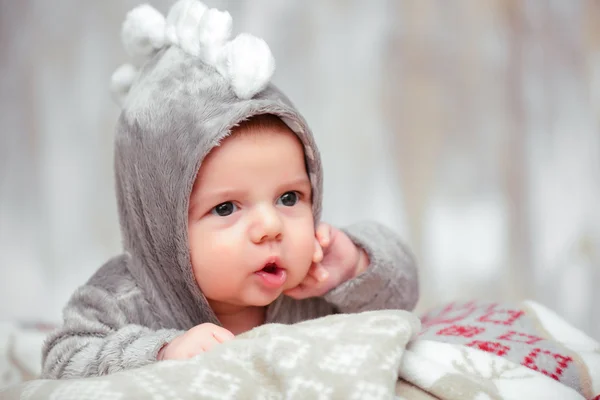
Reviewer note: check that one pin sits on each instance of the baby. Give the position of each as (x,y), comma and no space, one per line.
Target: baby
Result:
(219,187)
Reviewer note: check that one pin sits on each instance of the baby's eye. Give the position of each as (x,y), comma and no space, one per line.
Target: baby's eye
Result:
(224,209)
(288,199)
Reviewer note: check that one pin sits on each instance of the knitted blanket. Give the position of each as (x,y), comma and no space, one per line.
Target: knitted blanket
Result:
(463,351)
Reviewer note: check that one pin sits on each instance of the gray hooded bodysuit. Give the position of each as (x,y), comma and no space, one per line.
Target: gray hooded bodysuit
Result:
(177,109)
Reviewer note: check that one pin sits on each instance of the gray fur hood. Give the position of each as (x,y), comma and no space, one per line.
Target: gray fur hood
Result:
(176,111)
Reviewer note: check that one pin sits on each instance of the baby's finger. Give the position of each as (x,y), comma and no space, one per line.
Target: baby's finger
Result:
(318,273)
(318,254)
(300,292)
(309,281)
(222,335)
(324,234)
(208,343)
(297,293)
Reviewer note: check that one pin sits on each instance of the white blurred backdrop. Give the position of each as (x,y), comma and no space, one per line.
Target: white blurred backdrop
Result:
(470,127)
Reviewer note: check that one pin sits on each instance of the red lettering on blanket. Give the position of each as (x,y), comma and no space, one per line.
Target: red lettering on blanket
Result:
(450,314)
(501,317)
(491,347)
(504,331)
(461,330)
(513,336)
(561,363)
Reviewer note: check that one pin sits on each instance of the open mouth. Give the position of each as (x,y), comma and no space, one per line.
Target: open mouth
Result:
(272,275)
(271,268)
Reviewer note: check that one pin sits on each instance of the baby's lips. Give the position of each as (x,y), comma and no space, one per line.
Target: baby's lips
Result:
(273,260)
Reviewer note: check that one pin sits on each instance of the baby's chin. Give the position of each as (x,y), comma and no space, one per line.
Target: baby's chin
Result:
(262,303)
(262,299)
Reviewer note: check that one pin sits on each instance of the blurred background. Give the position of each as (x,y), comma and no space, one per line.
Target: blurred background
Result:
(470,127)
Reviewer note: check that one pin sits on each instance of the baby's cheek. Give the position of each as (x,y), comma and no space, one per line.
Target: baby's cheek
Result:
(307,247)
(226,240)
(218,250)
(214,261)
(207,248)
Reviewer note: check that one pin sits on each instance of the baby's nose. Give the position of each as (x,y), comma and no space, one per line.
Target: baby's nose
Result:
(267,225)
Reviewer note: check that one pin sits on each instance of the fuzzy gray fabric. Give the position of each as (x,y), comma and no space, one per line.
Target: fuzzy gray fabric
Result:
(176,112)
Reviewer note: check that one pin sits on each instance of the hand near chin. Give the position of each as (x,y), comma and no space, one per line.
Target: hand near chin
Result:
(199,339)
(336,260)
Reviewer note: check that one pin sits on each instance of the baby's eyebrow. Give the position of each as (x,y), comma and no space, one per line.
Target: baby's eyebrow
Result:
(302,184)
(301,180)
(215,194)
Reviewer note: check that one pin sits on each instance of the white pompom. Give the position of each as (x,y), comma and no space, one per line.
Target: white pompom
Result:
(214,30)
(183,23)
(121,81)
(215,27)
(248,63)
(172,20)
(143,31)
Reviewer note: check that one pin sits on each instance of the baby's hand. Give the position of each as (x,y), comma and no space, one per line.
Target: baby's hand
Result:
(197,340)
(336,260)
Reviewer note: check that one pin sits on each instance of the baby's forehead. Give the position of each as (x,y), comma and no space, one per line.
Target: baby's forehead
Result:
(263,139)
(246,145)
(270,131)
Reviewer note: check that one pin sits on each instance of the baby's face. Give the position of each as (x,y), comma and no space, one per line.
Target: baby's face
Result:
(250,225)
